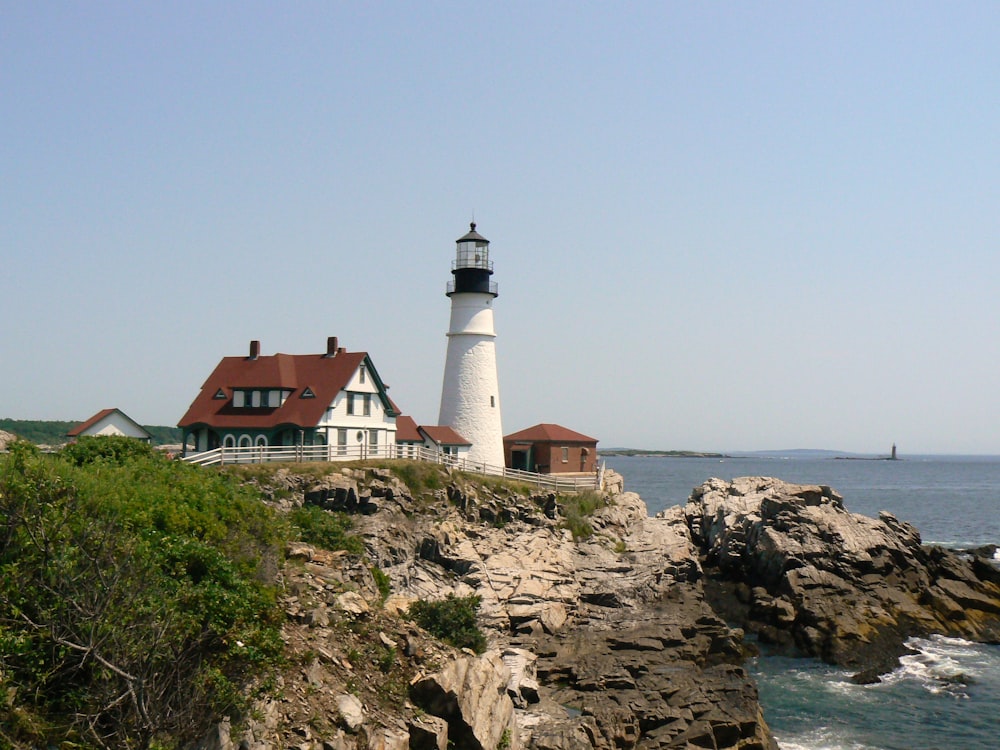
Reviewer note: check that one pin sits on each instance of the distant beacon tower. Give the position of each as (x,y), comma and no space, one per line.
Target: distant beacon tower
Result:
(470,396)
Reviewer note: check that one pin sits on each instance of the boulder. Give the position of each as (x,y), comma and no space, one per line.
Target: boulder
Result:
(352,603)
(836,585)
(428,733)
(350,710)
(470,694)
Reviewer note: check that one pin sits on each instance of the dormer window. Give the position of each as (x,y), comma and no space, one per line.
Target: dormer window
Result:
(259,398)
(308,393)
(361,374)
(220,394)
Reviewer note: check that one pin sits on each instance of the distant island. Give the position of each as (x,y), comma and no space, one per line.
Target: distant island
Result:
(658,454)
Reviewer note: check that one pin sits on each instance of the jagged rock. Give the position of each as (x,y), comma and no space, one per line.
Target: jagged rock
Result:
(352,603)
(218,738)
(384,738)
(522,687)
(615,626)
(618,726)
(428,733)
(836,585)
(318,617)
(470,694)
(351,711)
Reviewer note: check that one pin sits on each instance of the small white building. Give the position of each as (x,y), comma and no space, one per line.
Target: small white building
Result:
(414,441)
(110,422)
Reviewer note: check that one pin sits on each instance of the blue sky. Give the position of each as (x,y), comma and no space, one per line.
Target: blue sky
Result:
(716,226)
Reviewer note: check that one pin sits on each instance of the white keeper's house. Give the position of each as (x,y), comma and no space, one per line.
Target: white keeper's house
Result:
(334,399)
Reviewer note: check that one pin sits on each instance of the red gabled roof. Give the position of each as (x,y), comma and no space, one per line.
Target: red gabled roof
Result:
(406,430)
(443,435)
(549,433)
(103,413)
(322,375)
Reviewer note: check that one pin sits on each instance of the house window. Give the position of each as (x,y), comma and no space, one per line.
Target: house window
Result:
(229,442)
(367,404)
(274,398)
(350,403)
(244,441)
(239,399)
(261,441)
(493,401)
(361,374)
(565,454)
(255,399)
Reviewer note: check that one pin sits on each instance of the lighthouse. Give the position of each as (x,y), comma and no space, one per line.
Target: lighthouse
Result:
(470,395)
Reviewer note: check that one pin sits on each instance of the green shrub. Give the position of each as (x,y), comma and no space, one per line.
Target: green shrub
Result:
(135,598)
(327,529)
(576,509)
(584,503)
(382,582)
(112,449)
(452,619)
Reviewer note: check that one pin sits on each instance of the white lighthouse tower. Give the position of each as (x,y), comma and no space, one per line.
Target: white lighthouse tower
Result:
(470,396)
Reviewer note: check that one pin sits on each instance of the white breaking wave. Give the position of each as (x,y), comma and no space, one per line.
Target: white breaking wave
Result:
(821,738)
(941,665)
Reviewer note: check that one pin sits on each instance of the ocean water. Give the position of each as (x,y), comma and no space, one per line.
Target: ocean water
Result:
(947,695)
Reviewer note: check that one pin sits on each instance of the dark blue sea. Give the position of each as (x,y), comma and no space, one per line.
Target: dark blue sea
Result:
(947,696)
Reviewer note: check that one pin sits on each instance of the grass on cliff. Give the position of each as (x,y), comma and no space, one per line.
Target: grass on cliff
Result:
(577,508)
(136,597)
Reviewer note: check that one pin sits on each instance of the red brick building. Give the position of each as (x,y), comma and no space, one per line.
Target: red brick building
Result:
(550,449)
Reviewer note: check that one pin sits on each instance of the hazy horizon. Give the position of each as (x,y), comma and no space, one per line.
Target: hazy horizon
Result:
(712,224)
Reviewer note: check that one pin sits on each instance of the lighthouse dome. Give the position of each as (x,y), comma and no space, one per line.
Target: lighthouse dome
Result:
(473,236)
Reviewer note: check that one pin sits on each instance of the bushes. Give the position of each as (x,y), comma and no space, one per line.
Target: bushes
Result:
(112,449)
(453,620)
(134,597)
(576,509)
(326,529)
(382,582)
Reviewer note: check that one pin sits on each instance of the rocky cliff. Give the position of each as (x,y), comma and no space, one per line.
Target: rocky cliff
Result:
(790,563)
(629,635)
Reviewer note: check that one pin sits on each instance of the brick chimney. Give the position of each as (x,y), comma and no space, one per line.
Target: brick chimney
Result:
(254,350)
(331,346)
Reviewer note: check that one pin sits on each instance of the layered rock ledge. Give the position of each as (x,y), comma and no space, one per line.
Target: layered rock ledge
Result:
(633,637)
(791,564)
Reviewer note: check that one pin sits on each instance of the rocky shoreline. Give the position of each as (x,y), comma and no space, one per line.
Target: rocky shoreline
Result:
(634,637)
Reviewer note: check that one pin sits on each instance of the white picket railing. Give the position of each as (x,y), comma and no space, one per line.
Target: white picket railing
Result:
(260,454)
